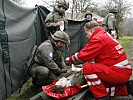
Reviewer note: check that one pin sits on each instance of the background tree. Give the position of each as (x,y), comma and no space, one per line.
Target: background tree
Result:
(80,6)
(49,4)
(19,1)
(123,7)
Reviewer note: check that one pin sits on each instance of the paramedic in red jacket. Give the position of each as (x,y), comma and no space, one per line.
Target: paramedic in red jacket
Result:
(106,67)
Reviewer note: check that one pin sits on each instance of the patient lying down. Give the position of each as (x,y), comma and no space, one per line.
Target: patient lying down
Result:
(75,78)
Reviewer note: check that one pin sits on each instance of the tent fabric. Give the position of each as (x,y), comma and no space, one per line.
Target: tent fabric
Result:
(20,29)
(77,36)
(41,13)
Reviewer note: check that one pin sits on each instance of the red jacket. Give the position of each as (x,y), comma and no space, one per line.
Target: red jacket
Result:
(103,49)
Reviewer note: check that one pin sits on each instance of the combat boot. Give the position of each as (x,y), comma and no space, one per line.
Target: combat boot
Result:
(38,88)
(130,87)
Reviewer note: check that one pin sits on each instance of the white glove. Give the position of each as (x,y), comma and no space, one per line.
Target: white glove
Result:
(75,69)
(62,26)
(60,23)
(67,59)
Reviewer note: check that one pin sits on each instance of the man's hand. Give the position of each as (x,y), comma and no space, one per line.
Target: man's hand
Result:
(69,70)
(60,23)
(67,60)
(75,68)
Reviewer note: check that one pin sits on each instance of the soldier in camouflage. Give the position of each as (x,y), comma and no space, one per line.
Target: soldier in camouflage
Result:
(48,61)
(109,22)
(56,18)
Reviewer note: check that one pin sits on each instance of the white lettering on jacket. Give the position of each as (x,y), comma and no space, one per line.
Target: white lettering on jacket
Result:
(119,49)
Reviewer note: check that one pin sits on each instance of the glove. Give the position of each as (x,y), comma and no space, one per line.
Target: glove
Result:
(75,69)
(67,59)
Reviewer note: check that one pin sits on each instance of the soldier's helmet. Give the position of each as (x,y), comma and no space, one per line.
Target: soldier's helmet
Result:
(114,10)
(61,36)
(88,13)
(63,3)
(91,24)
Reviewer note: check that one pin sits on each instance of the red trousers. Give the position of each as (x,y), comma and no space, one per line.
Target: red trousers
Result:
(104,80)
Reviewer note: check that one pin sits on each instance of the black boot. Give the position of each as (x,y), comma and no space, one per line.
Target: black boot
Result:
(130,87)
(104,98)
(38,88)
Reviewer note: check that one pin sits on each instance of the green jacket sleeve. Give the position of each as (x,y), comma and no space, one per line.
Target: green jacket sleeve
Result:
(46,51)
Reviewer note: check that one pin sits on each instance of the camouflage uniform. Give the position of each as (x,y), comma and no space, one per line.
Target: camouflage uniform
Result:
(52,19)
(109,22)
(56,16)
(48,63)
(77,78)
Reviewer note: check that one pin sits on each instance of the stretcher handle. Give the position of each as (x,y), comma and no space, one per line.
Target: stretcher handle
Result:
(84,85)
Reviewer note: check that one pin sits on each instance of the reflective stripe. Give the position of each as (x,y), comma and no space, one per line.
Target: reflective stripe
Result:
(128,66)
(89,83)
(112,38)
(76,57)
(73,59)
(94,83)
(91,76)
(112,91)
(123,64)
(107,89)
(118,47)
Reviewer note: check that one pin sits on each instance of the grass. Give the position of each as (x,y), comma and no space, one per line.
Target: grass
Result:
(28,90)
(125,41)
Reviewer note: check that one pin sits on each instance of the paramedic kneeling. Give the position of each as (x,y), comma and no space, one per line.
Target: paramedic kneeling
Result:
(109,74)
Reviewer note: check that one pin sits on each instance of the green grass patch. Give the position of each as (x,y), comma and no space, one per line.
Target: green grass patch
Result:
(125,41)
(27,91)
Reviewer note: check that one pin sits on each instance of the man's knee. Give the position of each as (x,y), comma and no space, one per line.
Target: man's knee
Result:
(39,74)
(41,70)
(87,68)
(90,68)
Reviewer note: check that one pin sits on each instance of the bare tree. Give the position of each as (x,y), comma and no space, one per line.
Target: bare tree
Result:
(79,6)
(49,4)
(19,1)
(123,7)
